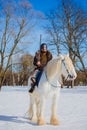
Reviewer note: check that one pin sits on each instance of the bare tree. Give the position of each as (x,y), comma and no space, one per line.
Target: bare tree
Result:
(53,29)
(69,25)
(16,21)
(26,68)
(76,38)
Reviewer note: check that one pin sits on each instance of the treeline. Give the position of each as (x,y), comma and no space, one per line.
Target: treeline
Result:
(25,69)
(19,72)
(21,79)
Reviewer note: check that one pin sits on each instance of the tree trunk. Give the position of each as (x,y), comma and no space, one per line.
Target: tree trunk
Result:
(0,86)
(72,84)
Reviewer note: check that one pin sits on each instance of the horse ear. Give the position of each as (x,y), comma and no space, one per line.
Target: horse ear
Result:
(61,56)
(68,54)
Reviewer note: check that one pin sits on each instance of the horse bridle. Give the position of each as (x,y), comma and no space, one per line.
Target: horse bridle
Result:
(69,76)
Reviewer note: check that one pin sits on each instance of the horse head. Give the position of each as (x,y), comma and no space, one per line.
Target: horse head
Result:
(68,70)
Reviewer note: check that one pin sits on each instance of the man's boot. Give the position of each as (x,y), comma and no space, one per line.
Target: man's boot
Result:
(32,88)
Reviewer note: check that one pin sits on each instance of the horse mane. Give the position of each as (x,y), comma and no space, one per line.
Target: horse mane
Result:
(53,67)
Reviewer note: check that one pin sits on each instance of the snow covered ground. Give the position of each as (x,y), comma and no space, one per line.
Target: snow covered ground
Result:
(72,110)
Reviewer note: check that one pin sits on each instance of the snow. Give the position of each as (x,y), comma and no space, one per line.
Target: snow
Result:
(72,109)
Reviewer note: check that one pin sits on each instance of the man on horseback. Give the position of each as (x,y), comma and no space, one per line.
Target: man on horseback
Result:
(42,57)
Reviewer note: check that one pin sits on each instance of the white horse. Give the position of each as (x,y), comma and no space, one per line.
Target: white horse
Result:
(50,84)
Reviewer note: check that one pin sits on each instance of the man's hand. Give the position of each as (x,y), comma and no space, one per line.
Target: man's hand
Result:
(38,63)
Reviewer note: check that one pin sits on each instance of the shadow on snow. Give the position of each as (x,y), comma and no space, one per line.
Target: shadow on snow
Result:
(16,119)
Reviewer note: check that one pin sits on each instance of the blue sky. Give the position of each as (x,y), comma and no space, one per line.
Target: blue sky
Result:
(82,3)
(46,5)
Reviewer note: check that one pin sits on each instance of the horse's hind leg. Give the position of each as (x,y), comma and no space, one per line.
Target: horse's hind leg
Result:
(54,118)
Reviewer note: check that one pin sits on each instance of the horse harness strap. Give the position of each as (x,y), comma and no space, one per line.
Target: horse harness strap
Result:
(63,61)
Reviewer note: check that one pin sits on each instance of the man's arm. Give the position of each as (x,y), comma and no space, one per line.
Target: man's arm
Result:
(36,61)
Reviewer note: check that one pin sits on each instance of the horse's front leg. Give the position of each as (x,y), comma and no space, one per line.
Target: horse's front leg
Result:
(41,120)
(33,109)
(54,118)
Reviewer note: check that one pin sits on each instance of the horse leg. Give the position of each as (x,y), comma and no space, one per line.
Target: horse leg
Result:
(34,117)
(41,120)
(32,109)
(38,108)
(54,119)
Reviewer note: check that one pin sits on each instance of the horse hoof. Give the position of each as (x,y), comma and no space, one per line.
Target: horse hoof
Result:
(54,121)
(41,122)
(34,119)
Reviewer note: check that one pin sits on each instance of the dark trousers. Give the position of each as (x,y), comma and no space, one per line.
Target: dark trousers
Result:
(38,76)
